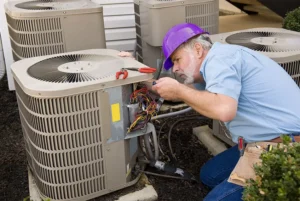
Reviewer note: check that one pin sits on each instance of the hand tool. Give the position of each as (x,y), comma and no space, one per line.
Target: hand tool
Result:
(143,70)
(241,145)
(123,72)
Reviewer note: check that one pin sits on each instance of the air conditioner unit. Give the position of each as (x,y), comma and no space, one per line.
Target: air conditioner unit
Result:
(281,45)
(155,17)
(74,119)
(45,27)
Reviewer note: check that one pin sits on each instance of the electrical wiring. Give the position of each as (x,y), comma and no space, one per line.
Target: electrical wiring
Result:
(147,108)
(162,175)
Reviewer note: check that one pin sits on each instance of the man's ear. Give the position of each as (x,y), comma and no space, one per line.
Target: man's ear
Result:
(199,50)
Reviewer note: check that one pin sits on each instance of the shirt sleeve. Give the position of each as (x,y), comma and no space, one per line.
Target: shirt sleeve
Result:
(222,76)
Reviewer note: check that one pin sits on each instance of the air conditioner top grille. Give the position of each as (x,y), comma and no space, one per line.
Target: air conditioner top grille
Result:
(75,68)
(51,5)
(74,72)
(266,41)
(50,8)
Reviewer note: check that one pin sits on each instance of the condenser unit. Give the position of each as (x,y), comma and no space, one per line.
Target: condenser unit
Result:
(74,116)
(155,17)
(281,45)
(46,27)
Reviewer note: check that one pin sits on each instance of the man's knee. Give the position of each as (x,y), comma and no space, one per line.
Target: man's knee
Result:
(219,167)
(207,177)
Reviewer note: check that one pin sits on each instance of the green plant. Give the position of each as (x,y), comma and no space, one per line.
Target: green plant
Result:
(278,176)
(292,20)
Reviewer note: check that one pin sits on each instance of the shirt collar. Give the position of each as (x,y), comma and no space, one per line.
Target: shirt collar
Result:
(214,46)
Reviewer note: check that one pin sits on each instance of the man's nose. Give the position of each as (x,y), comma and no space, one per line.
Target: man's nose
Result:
(175,68)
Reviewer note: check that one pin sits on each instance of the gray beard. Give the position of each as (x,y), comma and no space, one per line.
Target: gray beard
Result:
(189,80)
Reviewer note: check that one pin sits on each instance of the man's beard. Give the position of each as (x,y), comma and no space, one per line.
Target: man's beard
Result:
(189,80)
(189,74)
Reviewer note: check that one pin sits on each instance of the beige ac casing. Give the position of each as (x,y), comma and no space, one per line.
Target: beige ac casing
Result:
(70,25)
(156,17)
(76,133)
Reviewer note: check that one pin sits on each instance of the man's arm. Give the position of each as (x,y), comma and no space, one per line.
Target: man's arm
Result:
(215,106)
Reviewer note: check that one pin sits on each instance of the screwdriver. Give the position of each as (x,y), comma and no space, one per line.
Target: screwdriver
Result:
(241,145)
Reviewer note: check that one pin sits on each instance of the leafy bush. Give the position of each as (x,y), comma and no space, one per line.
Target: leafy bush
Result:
(292,20)
(278,177)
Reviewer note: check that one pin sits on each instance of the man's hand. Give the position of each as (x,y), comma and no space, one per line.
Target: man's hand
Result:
(167,88)
(126,54)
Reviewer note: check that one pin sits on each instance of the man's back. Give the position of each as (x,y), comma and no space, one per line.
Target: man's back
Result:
(268,98)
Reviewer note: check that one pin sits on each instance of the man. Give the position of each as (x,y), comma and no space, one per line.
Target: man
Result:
(251,93)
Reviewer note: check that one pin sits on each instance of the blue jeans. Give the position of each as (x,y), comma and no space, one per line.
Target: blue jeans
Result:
(215,173)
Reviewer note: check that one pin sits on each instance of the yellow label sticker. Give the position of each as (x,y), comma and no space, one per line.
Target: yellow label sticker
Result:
(115,112)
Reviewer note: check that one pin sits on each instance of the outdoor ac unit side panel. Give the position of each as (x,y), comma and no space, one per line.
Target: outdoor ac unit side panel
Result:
(157,19)
(204,14)
(65,144)
(220,133)
(120,154)
(70,150)
(114,152)
(83,32)
(31,37)
(156,22)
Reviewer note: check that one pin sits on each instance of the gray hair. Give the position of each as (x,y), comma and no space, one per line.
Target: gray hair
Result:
(203,39)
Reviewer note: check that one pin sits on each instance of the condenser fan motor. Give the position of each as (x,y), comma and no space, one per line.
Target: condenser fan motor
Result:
(75,68)
(50,4)
(266,41)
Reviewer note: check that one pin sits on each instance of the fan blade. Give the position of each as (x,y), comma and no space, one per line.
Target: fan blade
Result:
(288,41)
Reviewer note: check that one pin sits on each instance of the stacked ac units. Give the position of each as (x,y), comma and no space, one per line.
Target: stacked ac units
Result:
(74,118)
(47,27)
(155,17)
(281,45)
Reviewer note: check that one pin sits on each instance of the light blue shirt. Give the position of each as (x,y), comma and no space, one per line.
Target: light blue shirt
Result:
(268,98)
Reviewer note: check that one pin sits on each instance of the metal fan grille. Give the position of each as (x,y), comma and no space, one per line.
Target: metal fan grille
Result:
(266,41)
(50,5)
(75,68)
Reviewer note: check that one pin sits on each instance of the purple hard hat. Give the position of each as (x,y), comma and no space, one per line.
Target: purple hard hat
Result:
(177,35)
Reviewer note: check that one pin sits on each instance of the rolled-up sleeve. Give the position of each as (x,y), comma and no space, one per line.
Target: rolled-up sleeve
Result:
(223,76)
